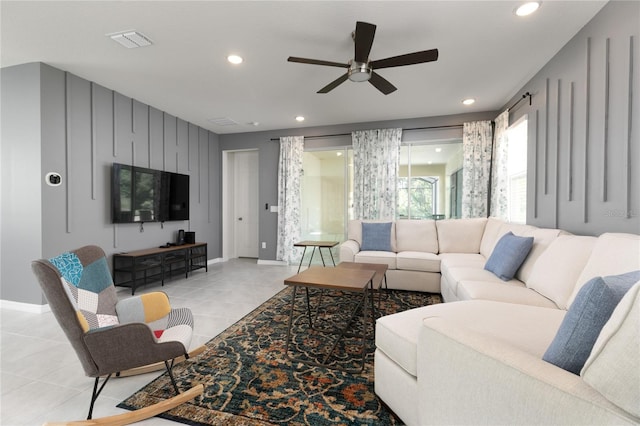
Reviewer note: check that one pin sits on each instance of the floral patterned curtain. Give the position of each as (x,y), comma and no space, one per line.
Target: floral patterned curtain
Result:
(476,167)
(499,177)
(289,174)
(376,156)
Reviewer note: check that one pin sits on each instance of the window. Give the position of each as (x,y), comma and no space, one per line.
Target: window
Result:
(417,197)
(517,171)
(426,179)
(327,184)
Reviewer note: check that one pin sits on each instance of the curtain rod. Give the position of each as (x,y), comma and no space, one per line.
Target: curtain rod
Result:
(452,126)
(529,95)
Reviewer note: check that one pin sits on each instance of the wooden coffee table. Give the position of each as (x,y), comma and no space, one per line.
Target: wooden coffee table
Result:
(378,278)
(354,280)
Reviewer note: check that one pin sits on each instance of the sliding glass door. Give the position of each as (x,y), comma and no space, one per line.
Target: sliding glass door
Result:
(327,193)
(427,182)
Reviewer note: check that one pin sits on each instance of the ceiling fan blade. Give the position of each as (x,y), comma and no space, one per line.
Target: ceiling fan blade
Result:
(317,62)
(335,83)
(381,83)
(363,41)
(408,59)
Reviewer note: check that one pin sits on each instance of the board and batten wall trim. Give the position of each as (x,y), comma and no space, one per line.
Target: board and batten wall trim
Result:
(88,127)
(589,182)
(629,126)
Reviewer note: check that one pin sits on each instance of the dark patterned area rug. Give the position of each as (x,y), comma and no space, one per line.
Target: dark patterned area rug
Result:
(249,381)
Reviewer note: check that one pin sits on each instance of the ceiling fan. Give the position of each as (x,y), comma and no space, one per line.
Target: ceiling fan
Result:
(360,68)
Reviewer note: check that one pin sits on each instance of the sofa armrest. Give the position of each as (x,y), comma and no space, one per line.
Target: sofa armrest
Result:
(465,377)
(348,251)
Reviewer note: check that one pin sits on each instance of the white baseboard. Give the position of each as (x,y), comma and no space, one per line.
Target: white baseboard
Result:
(272,262)
(24,307)
(216,260)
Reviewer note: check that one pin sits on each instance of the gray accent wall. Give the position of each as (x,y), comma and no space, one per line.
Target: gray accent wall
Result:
(584,129)
(21,204)
(54,121)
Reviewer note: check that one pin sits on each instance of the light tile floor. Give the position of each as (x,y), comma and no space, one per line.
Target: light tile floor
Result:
(41,378)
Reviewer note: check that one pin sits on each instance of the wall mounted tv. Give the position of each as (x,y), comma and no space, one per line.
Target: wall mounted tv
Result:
(139,194)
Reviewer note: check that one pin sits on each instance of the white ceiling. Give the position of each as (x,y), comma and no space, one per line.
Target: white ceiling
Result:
(486,52)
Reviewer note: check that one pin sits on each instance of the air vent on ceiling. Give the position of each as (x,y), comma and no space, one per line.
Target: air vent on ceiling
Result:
(223,121)
(131,39)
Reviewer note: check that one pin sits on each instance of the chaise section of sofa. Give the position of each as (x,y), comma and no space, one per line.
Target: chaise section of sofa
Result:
(481,361)
(468,377)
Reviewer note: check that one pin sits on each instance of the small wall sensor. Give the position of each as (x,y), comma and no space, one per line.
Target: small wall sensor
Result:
(53,179)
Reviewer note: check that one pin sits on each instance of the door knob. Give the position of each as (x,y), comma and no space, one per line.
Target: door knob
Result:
(239,218)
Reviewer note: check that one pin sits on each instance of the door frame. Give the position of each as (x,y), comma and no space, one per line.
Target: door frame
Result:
(228,214)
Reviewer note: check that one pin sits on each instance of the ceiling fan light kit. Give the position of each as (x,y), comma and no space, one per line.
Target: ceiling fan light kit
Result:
(361,68)
(359,71)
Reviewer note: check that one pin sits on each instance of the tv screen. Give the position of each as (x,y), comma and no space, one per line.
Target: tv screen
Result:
(178,200)
(139,194)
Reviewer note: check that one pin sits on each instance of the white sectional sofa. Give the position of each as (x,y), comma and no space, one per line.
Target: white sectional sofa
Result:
(477,359)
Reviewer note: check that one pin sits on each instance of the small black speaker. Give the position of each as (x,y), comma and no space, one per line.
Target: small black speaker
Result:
(190,237)
(180,240)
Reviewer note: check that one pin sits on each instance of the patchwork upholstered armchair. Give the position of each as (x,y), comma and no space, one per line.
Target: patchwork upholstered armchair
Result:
(111,336)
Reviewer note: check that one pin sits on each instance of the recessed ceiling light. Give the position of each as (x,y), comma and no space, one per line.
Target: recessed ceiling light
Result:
(527,8)
(339,153)
(468,101)
(438,149)
(234,59)
(299,118)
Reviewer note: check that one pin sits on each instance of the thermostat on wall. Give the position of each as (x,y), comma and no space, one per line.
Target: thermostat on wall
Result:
(53,179)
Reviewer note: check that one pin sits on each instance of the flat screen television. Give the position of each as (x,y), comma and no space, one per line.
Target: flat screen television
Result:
(139,194)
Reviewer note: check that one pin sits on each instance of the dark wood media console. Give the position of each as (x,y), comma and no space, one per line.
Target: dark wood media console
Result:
(132,268)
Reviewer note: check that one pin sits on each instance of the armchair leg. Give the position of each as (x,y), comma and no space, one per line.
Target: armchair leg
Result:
(96,393)
(169,370)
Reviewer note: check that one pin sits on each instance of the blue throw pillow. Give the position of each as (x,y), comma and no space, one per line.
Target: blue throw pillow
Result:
(376,236)
(584,320)
(508,255)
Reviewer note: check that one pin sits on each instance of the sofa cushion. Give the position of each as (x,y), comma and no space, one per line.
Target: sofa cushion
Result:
(416,235)
(508,255)
(383,257)
(613,366)
(452,260)
(460,235)
(612,254)
(526,327)
(418,261)
(376,236)
(556,271)
(492,235)
(512,291)
(453,275)
(354,231)
(542,238)
(580,328)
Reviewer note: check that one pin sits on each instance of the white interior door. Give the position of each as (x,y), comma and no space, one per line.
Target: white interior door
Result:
(245,196)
